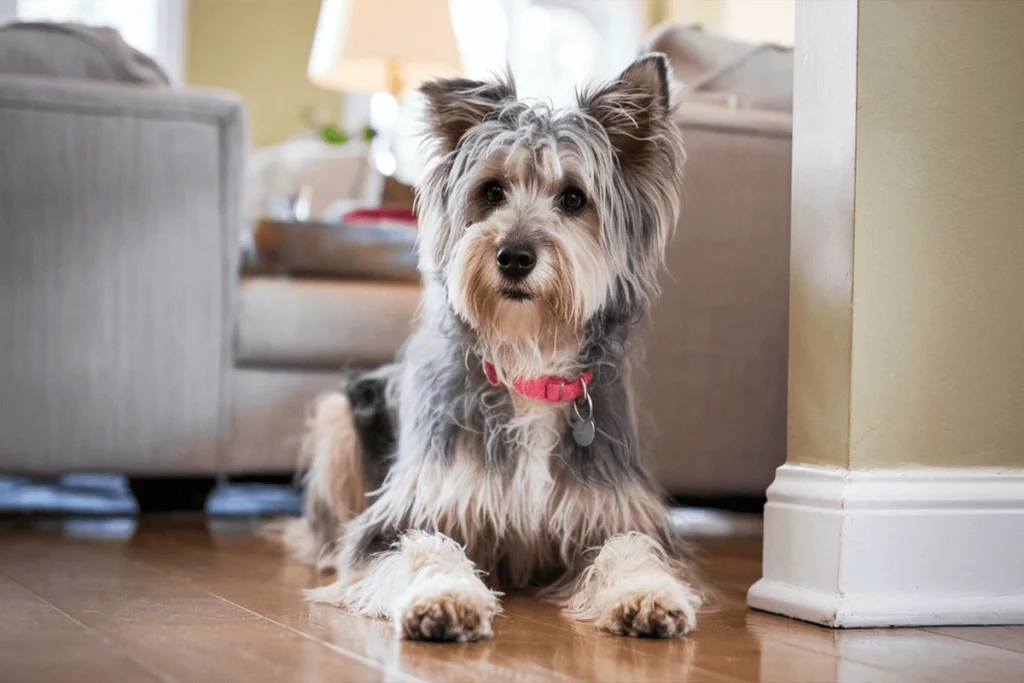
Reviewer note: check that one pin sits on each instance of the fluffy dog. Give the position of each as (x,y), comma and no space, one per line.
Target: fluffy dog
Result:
(501,450)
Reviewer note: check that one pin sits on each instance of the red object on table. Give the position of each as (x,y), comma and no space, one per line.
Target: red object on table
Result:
(379,215)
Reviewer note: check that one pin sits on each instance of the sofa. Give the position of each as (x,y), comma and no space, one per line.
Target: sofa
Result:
(133,342)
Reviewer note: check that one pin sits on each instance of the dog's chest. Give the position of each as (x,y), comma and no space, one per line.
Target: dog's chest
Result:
(533,438)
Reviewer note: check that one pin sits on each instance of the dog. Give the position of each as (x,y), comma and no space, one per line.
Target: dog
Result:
(501,450)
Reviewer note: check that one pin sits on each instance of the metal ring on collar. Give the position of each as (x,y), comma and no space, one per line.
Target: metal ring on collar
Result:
(590,404)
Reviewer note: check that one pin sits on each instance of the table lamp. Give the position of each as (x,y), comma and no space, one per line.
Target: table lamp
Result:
(387,46)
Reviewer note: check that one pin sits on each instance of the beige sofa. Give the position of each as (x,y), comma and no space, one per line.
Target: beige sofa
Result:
(715,391)
(130,342)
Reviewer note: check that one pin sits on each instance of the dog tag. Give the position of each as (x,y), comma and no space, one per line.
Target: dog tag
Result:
(583,432)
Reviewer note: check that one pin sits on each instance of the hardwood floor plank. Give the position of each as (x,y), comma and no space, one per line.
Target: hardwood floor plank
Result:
(867,654)
(922,655)
(40,643)
(173,628)
(531,635)
(1004,637)
(863,654)
(246,572)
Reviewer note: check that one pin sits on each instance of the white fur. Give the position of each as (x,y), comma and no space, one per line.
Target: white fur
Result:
(632,588)
(426,586)
(434,495)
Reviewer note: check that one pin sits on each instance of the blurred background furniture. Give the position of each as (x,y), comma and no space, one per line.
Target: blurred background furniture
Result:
(130,342)
(713,389)
(135,342)
(715,385)
(120,206)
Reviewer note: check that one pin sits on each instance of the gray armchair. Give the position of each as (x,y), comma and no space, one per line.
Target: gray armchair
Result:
(119,225)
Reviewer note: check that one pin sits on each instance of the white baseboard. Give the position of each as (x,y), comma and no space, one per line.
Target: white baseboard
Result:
(903,547)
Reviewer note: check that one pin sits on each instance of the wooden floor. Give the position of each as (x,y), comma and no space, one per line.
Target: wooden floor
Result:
(177,599)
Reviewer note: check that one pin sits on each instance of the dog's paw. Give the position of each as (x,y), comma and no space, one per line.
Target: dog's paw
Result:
(653,614)
(460,616)
(446,608)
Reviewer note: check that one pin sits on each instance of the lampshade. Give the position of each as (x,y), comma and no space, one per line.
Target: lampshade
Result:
(382,45)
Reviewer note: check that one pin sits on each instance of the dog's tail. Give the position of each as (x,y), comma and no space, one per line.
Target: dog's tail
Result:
(348,443)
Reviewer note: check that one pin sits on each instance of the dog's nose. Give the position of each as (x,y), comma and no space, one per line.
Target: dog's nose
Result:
(515,261)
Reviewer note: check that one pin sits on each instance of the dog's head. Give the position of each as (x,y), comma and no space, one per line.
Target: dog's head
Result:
(535,220)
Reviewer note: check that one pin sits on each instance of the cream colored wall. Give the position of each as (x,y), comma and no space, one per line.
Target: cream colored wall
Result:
(259,48)
(907,287)
(707,13)
(938,296)
(752,20)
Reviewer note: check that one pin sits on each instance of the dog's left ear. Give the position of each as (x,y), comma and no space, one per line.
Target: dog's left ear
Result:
(455,105)
(634,108)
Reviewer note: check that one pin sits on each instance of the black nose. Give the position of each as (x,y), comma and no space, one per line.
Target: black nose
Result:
(515,261)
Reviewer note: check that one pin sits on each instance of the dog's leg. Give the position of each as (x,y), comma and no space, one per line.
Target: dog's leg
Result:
(634,588)
(424,584)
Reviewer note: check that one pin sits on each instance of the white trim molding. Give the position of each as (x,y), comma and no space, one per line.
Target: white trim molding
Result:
(900,547)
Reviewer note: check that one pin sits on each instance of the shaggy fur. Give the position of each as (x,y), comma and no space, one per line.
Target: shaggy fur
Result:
(430,489)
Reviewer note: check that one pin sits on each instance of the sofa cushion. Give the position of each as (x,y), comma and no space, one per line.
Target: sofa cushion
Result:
(321,323)
(75,52)
(716,69)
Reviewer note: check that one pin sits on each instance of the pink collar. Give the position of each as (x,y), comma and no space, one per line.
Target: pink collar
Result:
(550,388)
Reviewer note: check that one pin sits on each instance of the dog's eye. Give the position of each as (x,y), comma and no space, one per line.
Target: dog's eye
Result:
(494,193)
(572,200)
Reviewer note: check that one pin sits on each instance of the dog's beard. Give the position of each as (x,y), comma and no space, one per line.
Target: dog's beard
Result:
(532,327)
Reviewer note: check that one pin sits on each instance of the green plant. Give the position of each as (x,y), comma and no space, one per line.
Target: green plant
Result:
(333,135)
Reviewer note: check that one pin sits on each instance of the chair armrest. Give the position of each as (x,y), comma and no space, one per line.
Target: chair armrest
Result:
(120,212)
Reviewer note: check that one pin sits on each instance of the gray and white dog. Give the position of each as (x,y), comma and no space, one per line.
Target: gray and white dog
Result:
(501,450)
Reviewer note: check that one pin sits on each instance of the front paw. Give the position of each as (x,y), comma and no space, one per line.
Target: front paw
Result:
(642,612)
(459,613)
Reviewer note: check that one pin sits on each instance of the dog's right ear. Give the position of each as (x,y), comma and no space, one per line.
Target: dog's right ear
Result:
(455,105)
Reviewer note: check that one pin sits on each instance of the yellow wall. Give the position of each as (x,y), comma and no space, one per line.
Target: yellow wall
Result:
(907,286)
(938,287)
(757,21)
(259,48)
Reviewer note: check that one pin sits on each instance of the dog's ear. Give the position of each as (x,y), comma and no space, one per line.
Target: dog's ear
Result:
(456,105)
(634,108)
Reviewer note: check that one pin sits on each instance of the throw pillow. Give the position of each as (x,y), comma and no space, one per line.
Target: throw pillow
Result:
(74,51)
(716,68)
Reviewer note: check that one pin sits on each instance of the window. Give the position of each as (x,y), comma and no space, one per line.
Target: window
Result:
(552,46)
(155,27)
(553,50)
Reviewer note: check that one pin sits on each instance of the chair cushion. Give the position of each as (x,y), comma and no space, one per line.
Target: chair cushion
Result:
(76,52)
(321,323)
